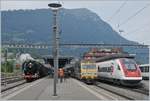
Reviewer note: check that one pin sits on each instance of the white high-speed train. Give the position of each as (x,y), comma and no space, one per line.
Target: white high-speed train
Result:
(122,70)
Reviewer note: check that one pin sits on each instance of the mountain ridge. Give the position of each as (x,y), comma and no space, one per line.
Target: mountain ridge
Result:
(80,21)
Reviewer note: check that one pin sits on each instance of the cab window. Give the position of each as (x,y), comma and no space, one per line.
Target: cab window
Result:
(129,64)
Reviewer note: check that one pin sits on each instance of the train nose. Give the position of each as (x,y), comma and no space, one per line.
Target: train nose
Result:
(135,73)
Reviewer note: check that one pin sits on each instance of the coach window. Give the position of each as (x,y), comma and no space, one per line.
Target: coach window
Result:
(147,69)
(108,69)
(98,69)
(118,67)
(84,66)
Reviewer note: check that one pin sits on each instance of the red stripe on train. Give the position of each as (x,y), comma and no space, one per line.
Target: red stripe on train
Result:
(129,73)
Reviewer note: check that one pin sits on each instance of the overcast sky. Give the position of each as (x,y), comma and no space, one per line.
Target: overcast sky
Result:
(133,15)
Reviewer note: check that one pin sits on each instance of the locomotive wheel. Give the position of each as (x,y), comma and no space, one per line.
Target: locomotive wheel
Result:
(28,80)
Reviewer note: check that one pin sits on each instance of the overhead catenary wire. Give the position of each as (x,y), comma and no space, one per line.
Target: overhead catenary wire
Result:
(118,10)
(135,14)
(139,28)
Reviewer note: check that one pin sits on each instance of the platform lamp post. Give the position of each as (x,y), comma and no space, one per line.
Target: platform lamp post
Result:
(55,7)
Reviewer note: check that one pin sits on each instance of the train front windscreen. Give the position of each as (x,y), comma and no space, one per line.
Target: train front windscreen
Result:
(89,66)
(130,64)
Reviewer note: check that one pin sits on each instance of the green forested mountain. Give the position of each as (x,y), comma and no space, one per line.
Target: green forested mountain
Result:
(77,25)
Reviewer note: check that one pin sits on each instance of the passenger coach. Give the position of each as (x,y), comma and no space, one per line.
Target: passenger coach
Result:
(145,70)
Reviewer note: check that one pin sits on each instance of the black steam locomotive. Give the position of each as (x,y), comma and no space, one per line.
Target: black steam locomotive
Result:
(33,70)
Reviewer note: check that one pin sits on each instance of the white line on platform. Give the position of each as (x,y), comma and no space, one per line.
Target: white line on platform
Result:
(21,90)
(91,91)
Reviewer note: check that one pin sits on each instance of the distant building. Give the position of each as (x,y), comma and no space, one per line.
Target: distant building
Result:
(100,52)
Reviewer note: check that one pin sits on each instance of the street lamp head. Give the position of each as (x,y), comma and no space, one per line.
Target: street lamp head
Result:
(55,6)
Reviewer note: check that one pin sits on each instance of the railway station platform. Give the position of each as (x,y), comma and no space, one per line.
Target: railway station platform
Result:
(42,89)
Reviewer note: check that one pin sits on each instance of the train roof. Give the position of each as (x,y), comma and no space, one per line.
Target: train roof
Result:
(113,56)
(144,65)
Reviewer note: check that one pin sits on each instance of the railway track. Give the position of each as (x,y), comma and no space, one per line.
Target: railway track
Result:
(12,85)
(11,82)
(129,93)
(114,92)
(8,80)
(135,94)
(139,89)
(143,91)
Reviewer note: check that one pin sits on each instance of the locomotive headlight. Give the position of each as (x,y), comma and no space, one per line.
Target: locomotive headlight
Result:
(30,65)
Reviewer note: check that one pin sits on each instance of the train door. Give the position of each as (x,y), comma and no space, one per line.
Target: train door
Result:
(112,69)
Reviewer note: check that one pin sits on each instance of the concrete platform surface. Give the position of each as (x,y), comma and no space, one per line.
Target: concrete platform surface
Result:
(42,89)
